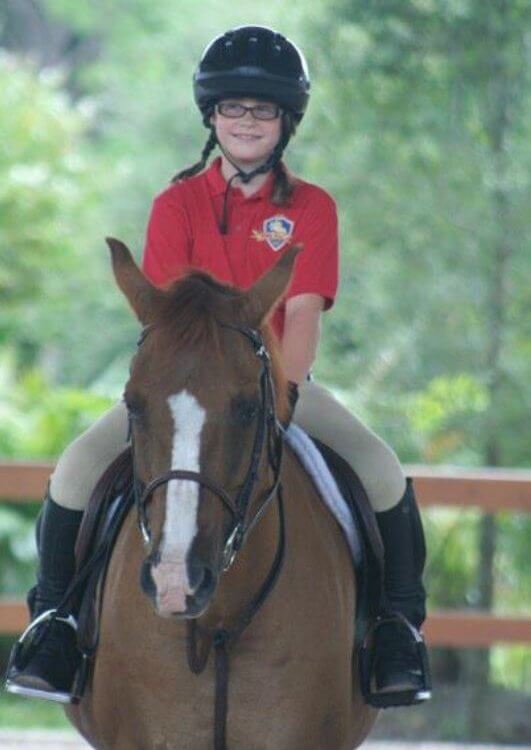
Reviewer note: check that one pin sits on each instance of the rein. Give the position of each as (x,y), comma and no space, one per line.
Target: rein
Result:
(268,429)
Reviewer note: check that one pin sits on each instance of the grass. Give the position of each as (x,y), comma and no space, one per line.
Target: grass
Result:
(27,713)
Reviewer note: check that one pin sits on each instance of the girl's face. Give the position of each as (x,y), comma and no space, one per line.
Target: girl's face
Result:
(248,141)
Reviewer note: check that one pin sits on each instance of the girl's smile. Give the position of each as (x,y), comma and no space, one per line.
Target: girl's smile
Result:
(246,136)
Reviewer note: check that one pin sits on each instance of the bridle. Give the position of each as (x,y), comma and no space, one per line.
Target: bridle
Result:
(267,428)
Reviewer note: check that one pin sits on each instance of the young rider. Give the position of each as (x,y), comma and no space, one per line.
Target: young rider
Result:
(231,219)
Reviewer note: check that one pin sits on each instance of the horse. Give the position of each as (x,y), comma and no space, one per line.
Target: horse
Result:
(229,551)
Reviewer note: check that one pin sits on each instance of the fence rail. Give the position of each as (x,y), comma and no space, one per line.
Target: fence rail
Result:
(490,490)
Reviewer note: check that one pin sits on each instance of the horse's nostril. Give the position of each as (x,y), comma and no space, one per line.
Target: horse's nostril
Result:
(207,581)
(197,571)
(146,579)
(204,585)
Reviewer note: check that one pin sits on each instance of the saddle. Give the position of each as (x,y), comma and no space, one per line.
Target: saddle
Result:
(107,509)
(370,568)
(111,502)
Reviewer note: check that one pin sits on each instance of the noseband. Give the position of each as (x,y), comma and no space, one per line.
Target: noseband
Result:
(267,428)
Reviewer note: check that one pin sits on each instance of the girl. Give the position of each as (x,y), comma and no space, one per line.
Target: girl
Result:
(231,219)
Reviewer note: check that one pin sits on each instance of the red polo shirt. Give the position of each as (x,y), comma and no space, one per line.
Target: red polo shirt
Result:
(183,232)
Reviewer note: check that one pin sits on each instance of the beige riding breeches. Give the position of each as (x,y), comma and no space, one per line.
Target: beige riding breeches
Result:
(318,412)
(376,464)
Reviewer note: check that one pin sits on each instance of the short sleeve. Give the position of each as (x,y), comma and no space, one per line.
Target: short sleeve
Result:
(167,248)
(316,267)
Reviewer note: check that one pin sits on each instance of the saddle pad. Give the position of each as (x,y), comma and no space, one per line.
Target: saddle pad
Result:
(312,460)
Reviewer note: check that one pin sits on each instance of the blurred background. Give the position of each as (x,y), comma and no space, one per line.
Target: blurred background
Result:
(419,125)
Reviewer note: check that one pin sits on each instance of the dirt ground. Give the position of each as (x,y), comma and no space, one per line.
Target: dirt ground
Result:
(36,740)
(457,714)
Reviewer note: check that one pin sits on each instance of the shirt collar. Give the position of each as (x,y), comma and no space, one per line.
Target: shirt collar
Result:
(217,183)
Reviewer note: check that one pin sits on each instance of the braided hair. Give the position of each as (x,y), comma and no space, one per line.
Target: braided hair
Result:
(209,146)
(283,182)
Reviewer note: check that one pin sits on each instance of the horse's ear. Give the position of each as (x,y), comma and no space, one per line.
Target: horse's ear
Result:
(262,297)
(143,297)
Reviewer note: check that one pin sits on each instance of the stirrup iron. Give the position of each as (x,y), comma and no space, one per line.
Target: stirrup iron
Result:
(397,698)
(17,656)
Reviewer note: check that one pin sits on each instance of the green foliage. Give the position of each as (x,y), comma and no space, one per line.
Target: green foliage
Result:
(405,117)
(42,173)
(52,191)
(442,416)
(512,564)
(450,538)
(512,667)
(17,550)
(38,420)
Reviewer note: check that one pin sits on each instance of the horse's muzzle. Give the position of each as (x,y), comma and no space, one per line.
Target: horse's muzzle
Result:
(182,590)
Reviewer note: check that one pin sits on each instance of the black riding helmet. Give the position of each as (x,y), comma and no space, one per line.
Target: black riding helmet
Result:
(252,61)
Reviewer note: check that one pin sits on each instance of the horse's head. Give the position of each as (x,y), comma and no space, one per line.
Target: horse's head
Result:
(199,396)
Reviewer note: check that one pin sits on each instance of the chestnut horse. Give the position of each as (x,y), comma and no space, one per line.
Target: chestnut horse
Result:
(240,558)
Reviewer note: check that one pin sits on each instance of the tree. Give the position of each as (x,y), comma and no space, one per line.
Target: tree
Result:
(438,96)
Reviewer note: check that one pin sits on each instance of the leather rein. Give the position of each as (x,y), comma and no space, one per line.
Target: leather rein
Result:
(270,433)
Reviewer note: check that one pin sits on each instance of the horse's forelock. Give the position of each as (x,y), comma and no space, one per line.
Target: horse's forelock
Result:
(195,304)
(192,307)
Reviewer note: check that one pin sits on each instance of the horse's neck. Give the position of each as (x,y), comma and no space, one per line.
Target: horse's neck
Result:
(310,532)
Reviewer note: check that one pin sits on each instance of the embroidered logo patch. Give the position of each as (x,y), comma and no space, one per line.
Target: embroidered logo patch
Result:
(276,231)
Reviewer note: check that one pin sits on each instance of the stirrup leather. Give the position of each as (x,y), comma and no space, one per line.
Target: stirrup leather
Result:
(390,699)
(22,651)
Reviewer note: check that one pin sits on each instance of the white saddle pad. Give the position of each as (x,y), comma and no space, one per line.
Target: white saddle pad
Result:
(315,465)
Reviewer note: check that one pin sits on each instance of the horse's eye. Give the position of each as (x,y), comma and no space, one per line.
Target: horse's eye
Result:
(246,410)
(134,408)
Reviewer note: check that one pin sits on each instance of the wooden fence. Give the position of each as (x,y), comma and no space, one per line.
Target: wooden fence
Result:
(491,490)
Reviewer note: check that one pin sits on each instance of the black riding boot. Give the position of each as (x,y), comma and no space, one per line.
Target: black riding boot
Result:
(45,660)
(399,665)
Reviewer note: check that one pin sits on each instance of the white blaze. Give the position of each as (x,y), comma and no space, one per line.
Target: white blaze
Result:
(182,501)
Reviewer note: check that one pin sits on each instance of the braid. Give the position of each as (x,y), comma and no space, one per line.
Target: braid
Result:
(210,145)
(283,186)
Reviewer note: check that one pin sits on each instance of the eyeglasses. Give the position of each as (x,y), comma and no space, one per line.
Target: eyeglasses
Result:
(263,111)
